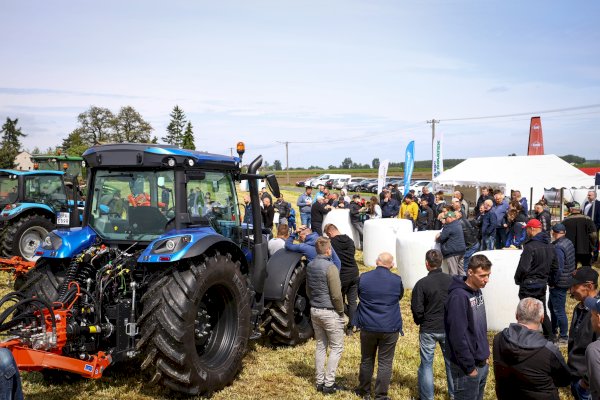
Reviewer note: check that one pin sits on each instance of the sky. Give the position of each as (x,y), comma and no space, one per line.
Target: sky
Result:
(336,79)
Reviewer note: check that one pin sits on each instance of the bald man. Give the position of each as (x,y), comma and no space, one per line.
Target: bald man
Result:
(380,322)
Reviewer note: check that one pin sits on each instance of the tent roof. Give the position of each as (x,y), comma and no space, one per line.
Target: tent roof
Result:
(547,171)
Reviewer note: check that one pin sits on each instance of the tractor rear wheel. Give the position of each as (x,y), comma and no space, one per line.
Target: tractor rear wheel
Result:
(23,236)
(43,281)
(195,325)
(289,320)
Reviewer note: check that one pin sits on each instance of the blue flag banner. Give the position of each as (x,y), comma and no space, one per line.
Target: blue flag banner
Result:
(409,164)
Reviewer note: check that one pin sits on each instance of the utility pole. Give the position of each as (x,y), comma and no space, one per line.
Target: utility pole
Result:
(287,164)
(433,121)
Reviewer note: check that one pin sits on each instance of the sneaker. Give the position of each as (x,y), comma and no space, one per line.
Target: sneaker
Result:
(349,331)
(335,388)
(319,387)
(562,342)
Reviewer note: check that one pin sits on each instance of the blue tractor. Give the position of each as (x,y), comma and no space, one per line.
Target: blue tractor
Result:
(161,270)
(32,203)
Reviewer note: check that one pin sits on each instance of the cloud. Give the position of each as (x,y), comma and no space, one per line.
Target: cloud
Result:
(498,89)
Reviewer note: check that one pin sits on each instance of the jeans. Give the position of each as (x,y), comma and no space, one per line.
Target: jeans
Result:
(383,344)
(427,343)
(329,332)
(358,225)
(350,297)
(470,251)
(578,392)
(540,294)
(556,304)
(10,381)
(305,219)
(487,243)
(469,387)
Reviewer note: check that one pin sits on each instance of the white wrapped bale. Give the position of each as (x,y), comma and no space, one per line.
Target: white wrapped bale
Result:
(410,255)
(380,235)
(341,219)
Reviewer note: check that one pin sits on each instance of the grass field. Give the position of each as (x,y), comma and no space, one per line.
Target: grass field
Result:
(267,372)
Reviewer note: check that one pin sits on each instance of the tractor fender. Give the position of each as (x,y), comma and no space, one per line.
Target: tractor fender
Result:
(280,267)
(220,243)
(28,208)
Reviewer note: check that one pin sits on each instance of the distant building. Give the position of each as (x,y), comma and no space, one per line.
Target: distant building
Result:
(23,161)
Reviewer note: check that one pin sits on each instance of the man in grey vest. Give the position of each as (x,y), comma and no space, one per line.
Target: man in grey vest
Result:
(324,290)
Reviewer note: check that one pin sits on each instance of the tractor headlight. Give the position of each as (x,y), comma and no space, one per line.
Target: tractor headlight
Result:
(52,242)
(171,245)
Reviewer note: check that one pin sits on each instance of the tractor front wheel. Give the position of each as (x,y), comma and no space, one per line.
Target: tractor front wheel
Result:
(195,325)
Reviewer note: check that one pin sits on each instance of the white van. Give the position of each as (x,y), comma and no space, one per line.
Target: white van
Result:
(320,180)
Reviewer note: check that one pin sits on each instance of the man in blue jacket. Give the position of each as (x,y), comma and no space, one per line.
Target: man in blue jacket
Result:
(304,203)
(379,319)
(307,239)
(453,244)
(488,226)
(466,330)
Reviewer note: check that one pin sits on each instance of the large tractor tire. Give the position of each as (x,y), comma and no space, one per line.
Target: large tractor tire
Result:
(195,325)
(43,281)
(289,320)
(23,236)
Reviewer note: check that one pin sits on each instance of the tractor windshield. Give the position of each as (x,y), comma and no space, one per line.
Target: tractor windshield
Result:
(132,205)
(9,185)
(45,189)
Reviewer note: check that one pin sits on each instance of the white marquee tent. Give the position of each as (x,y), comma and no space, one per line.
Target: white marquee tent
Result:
(529,174)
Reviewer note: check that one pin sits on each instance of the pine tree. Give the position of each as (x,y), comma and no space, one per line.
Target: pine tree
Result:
(175,128)
(11,143)
(188,138)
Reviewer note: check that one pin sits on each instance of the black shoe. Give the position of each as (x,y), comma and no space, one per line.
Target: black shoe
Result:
(335,388)
(319,387)
(363,395)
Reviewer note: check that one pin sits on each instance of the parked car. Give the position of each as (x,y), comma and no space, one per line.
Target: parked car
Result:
(354,183)
(341,183)
(322,179)
(362,187)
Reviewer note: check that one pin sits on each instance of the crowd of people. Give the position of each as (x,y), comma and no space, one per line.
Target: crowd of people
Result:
(449,307)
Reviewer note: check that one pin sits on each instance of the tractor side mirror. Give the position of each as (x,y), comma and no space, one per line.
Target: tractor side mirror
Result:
(273,185)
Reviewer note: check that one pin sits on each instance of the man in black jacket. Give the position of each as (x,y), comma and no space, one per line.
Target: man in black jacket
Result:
(355,221)
(591,208)
(389,206)
(537,264)
(527,365)
(317,213)
(427,305)
(344,248)
(559,283)
(583,284)
(470,236)
(582,232)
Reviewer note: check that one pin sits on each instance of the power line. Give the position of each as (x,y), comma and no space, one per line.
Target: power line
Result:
(523,114)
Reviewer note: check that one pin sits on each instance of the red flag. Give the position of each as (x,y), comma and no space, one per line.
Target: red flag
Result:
(536,139)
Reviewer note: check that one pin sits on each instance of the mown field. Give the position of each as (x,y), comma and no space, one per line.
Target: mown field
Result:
(267,372)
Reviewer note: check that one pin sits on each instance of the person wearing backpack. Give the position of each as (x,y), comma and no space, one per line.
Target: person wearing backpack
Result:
(471,238)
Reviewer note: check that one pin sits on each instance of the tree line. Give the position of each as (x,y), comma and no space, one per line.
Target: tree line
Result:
(99,125)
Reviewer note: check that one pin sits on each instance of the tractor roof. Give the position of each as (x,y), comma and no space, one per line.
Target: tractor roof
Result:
(31,172)
(153,155)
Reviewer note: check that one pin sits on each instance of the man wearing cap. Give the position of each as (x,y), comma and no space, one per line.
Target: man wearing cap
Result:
(582,232)
(591,208)
(453,244)
(583,284)
(559,283)
(592,353)
(304,203)
(537,263)
(317,214)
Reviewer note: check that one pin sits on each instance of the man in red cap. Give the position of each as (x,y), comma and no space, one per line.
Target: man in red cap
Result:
(537,263)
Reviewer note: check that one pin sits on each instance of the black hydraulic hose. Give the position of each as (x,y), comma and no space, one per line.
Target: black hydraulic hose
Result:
(11,309)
